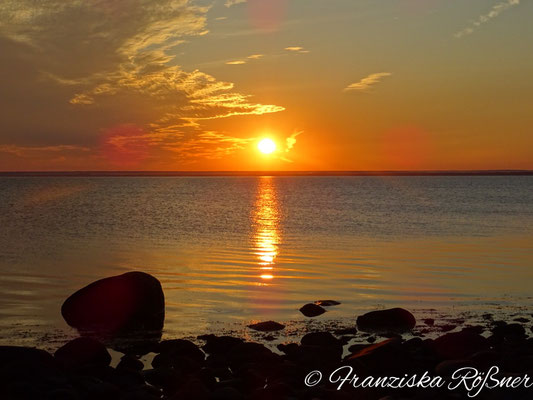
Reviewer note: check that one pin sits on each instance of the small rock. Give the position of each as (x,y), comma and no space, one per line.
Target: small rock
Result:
(219,344)
(391,320)
(312,310)
(320,339)
(82,352)
(509,331)
(131,363)
(179,348)
(327,303)
(267,326)
(459,345)
(429,321)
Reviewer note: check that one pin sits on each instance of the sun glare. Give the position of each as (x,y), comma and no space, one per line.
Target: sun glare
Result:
(266,146)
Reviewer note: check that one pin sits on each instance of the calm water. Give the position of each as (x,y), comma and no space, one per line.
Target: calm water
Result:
(230,250)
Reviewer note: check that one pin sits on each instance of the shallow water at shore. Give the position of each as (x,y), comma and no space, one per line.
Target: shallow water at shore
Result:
(235,250)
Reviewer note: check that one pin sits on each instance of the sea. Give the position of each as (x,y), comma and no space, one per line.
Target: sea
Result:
(233,250)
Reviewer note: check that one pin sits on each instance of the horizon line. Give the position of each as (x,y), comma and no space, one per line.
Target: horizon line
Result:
(200,173)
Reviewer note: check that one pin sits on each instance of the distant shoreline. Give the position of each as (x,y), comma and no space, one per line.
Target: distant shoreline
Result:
(260,173)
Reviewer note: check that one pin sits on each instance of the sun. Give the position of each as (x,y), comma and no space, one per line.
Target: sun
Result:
(266,146)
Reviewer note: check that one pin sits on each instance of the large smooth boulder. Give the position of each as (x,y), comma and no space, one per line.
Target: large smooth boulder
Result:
(131,302)
(392,320)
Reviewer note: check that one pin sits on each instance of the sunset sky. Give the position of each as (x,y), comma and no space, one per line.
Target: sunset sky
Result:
(336,84)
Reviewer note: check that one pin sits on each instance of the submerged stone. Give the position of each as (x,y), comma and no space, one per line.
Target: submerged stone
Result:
(312,310)
(267,326)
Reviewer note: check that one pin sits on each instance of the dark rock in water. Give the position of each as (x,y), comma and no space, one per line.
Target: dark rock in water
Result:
(180,348)
(509,331)
(267,326)
(459,345)
(219,344)
(312,310)
(126,303)
(429,321)
(131,363)
(320,339)
(327,303)
(26,355)
(521,319)
(391,320)
(81,352)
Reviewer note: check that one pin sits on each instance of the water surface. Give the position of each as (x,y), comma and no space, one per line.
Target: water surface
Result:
(235,250)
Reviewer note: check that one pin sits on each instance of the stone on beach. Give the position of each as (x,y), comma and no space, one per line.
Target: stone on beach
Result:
(82,352)
(267,326)
(312,310)
(459,345)
(126,303)
(391,320)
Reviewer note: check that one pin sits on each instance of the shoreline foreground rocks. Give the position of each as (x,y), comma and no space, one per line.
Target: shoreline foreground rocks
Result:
(231,368)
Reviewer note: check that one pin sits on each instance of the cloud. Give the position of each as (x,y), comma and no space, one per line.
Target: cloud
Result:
(256,56)
(291,141)
(367,82)
(236,62)
(81,68)
(230,3)
(296,49)
(496,10)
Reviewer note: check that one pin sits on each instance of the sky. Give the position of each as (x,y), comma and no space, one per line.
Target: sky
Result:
(336,84)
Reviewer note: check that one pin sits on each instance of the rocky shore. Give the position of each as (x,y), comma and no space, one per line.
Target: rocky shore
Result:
(380,355)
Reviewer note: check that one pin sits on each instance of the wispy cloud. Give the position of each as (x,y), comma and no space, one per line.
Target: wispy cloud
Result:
(236,62)
(496,10)
(113,64)
(291,141)
(256,56)
(230,3)
(367,82)
(296,49)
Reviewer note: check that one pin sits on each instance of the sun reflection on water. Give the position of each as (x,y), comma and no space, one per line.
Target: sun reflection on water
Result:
(266,227)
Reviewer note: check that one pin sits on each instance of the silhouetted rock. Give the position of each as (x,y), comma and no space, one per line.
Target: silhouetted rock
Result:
(27,355)
(126,303)
(429,321)
(320,339)
(267,326)
(509,331)
(327,303)
(180,348)
(130,363)
(219,344)
(459,345)
(312,310)
(391,320)
(82,352)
